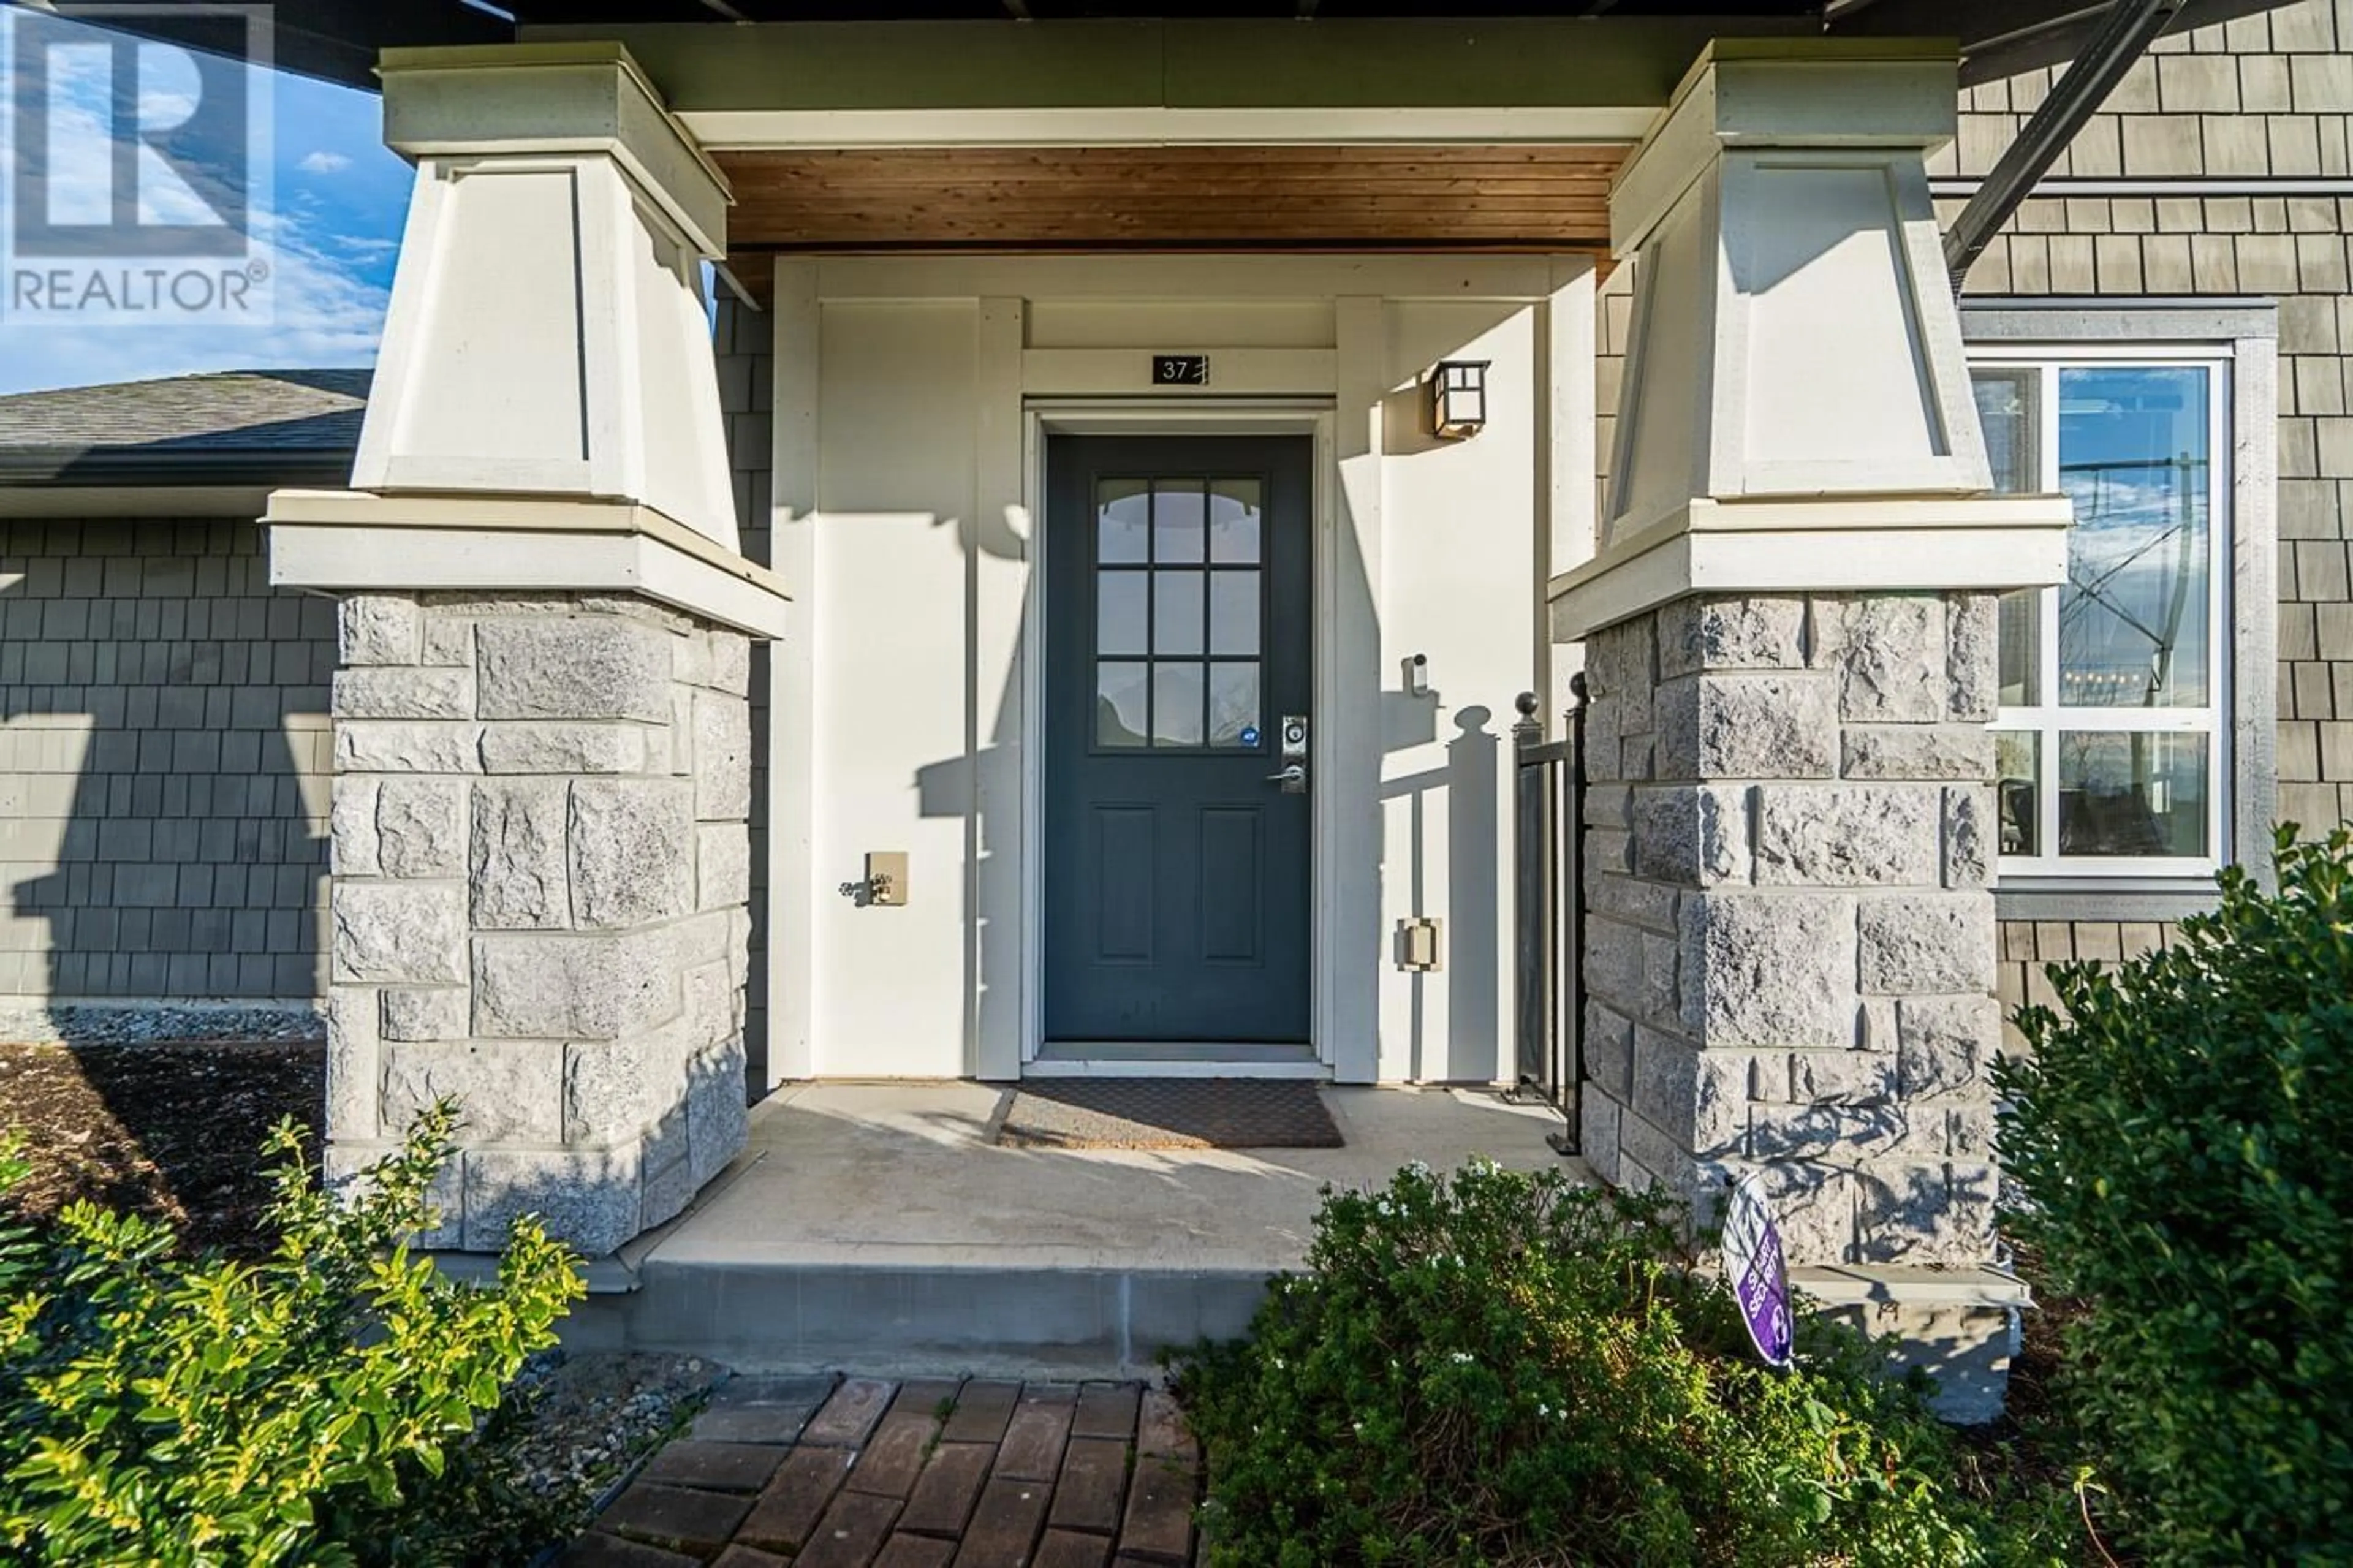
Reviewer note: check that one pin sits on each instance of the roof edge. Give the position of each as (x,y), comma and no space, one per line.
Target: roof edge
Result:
(36,468)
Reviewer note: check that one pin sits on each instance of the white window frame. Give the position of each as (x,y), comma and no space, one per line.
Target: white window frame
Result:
(2233,342)
(2049,718)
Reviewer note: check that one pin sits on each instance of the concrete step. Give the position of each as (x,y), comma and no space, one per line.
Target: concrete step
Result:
(1000,1322)
(880,1225)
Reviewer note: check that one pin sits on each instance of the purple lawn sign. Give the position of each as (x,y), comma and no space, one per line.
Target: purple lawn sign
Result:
(1759,1276)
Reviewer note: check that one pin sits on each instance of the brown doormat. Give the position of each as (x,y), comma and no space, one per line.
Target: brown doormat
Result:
(1167,1114)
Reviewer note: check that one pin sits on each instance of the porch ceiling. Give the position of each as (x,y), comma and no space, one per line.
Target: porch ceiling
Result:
(1514,198)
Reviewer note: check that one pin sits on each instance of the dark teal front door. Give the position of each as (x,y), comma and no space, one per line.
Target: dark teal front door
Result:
(1177,609)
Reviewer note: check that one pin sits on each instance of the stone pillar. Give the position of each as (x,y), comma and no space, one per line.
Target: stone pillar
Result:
(543,739)
(540,902)
(1789,943)
(1789,626)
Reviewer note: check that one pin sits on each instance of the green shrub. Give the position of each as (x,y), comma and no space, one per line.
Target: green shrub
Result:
(2180,1137)
(306,1407)
(1501,1368)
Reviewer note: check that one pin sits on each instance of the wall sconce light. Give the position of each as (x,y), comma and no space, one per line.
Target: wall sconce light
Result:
(1458,398)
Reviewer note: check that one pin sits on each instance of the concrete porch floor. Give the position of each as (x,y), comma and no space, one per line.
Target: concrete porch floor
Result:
(876,1225)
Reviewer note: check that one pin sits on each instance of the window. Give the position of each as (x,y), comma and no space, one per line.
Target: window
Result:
(2110,741)
(1178,593)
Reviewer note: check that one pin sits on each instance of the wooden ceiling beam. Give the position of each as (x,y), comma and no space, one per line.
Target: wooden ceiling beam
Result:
(1190,198)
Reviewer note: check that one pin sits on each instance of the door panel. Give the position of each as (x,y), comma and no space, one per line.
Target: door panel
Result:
(1123,837)
(1176,635)
(1231,874)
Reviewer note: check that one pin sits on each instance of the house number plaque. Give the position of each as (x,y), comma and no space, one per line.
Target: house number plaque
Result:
(1180,370)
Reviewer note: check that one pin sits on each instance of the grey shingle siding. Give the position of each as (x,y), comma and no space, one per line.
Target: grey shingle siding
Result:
(162,775)
(746,355)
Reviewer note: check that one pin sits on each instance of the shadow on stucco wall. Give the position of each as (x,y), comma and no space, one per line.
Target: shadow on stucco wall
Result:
(1458,796)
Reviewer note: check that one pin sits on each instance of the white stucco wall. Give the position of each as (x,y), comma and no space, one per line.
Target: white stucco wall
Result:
(1458,546)
(897,386)
(931,378)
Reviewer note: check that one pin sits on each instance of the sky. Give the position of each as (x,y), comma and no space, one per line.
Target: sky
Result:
(338,200)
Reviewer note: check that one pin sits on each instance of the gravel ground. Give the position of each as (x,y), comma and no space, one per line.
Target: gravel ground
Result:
(594,1415)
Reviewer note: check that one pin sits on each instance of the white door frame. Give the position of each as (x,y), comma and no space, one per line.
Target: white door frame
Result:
(1314,417)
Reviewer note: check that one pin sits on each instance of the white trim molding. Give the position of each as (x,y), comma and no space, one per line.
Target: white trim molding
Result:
(1159,126)
(352,541)
(1846,545)
(1347,1049)
(794,324)
(1946,187)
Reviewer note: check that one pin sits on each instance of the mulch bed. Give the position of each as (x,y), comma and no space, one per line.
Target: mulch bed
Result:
(173,1131)
(2033,1446)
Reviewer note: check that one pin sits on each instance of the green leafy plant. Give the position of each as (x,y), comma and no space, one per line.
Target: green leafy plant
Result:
(1504,1368)
(2178,1135)
(306,1407)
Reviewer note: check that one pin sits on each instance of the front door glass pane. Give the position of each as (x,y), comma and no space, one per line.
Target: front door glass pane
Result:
(1120,612)
(1180,582)
(2134,612)
(1233,612)
(1177,696)
(1234,522)
(1233,702)
(1179,515)
(1120,711)
(1123,521)
(1177,612)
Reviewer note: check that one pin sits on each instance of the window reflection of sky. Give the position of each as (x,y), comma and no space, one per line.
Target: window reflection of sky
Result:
(2132,456)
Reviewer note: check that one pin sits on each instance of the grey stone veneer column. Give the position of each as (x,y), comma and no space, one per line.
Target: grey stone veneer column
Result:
(1791,942)
(540,880)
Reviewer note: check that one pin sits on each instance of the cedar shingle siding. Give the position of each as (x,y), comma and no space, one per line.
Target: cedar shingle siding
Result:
(2237,107)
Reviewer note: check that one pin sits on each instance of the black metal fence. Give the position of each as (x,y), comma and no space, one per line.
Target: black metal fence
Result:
(1549,907)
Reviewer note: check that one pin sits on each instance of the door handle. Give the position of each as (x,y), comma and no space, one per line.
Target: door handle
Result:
(1293,779)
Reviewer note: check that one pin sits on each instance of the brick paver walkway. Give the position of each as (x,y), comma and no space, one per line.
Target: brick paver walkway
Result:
(857,1472)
